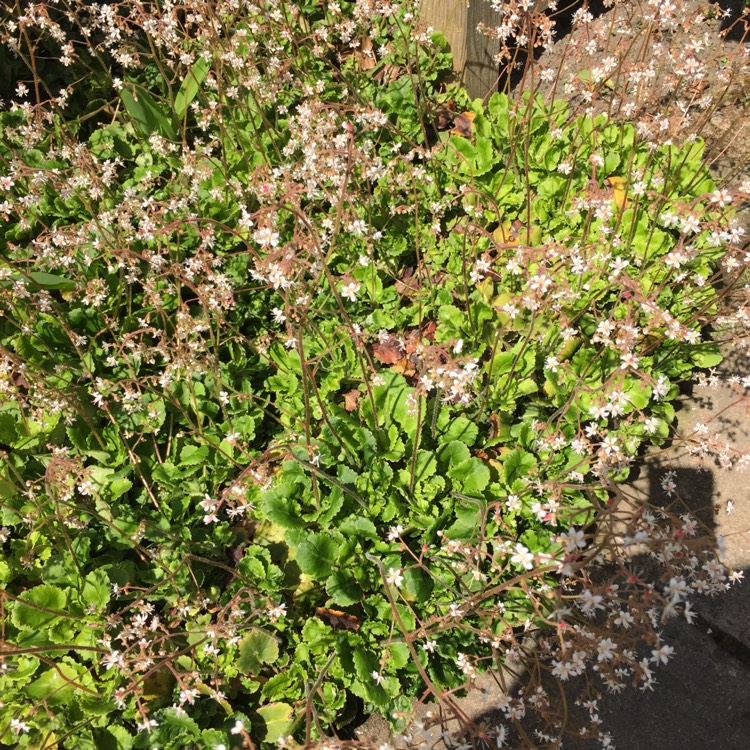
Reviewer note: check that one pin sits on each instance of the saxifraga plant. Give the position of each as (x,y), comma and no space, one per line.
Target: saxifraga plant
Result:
(318,376)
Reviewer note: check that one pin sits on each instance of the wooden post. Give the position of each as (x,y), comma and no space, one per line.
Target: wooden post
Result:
(473,53)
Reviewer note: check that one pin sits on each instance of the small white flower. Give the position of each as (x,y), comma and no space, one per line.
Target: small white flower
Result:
(378,677)
(661,654)
(513,502)
(266,237)
(147,725)
(395,577)
(276,612)
(113,659)
(189,695)
(238,727)
(721,197)
(522,557)
(394,533)
(358,228)
(349,291)
(628,359)
(605,651)
(573,539)
(19,726)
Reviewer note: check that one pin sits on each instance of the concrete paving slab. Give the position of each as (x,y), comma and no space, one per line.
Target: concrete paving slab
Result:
(701,701)
(712,482)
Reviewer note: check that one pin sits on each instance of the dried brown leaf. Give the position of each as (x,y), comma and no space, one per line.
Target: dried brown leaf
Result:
(351,400)
(463,124)
(387,352)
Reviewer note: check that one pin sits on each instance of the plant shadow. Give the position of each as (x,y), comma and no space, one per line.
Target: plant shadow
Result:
(701,697)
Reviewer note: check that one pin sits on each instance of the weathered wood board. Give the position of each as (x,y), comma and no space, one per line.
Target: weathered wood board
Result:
(473,53)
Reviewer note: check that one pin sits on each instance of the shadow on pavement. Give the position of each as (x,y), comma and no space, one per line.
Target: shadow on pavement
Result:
(701,699)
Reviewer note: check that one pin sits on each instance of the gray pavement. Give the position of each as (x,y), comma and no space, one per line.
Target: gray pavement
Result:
(702,697)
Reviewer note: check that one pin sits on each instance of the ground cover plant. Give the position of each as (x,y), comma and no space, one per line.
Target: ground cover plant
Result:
(319,377)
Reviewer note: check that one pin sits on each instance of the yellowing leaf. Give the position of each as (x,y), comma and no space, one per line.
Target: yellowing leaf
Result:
(619,187)
(507,233)
(158,684)
(275,721)
(517,233)
(47,742)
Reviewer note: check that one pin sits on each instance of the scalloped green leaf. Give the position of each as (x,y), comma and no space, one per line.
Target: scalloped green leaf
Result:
(517,464)
(275,720)
(343,588)
(708,355)
(418,584)
(472,475)
(453,453)
(358,526)
(257,648)
(39,607)
(462,429)
(316,554)
(57,685)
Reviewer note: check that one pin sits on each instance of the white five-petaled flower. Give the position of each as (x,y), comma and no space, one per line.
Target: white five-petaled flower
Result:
(395,577)
(276,612)
(394,532)
(628,359)
(377,676)
(573,539)
(19,726)
(113,659)
(266,236)
(590,601)
(661,654)
(147,725)
(350,290)
(721,197)
(605,650)
(210,506)
(523,557)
